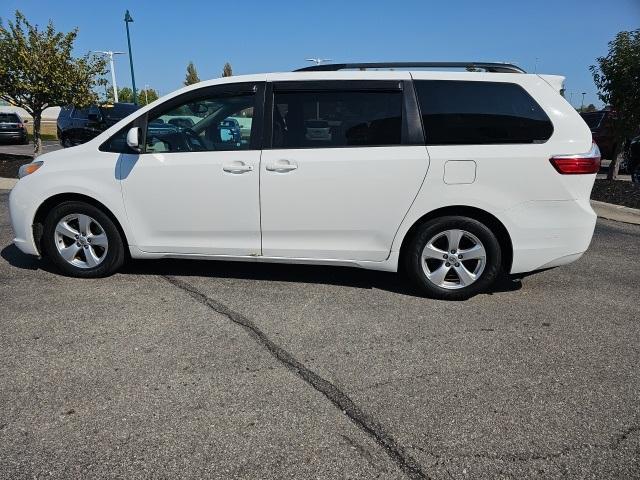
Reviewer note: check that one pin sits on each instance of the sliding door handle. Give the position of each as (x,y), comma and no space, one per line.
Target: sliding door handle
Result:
(237,167)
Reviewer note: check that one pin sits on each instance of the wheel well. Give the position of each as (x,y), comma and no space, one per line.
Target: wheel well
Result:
(482,216)
(51,202)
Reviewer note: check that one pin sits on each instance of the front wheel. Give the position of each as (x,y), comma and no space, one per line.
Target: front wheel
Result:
(82,241)
(453,258)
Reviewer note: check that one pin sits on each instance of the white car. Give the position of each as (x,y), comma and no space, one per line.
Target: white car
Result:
(455,176)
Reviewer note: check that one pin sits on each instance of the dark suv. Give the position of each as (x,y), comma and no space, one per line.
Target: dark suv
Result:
(601,125)
(79,125)
(12,128)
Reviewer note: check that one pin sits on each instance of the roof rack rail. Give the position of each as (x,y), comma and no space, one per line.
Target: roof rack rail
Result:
(494,67)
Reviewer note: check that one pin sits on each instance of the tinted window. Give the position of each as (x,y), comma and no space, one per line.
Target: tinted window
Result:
(211,123)
(80,113)
(118,142)
(326,119)
(9,118)
(118,111)
(474,113)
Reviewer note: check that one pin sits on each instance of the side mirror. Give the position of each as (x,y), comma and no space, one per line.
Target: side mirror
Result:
(133,139)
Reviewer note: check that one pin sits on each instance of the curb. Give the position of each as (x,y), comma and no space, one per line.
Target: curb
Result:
(7,183)
(604,210)
(616,212)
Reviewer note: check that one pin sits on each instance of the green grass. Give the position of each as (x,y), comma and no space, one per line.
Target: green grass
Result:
(47,131)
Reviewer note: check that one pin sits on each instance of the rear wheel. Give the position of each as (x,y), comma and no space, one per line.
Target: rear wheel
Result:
(82,241)
(453,258)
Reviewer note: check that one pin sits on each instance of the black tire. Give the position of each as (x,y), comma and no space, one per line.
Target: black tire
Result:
(431,229)
(635,174)
(114,256)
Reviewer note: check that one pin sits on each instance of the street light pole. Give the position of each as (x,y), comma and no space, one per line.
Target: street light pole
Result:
(582,106)
(127,21)
(146,94)
(110,54)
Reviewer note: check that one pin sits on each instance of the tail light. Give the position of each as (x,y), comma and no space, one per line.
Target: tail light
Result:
(582,163)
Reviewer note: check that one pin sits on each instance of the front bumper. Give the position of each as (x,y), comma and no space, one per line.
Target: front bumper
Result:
(22,210)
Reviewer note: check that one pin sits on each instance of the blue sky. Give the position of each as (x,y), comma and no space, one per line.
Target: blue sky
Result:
(260,36)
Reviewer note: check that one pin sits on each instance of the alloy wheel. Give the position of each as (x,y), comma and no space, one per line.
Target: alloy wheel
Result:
(453,259)
(81,241)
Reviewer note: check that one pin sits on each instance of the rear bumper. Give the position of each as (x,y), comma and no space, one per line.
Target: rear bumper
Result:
(17,135)
(547,234)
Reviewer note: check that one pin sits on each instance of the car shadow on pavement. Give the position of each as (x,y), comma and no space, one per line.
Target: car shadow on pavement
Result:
(273,272)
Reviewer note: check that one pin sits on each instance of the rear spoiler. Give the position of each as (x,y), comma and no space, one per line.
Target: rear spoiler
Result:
(555,81)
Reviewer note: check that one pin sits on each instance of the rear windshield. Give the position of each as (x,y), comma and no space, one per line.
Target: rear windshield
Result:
(593,119)
(9,118)
(119,110)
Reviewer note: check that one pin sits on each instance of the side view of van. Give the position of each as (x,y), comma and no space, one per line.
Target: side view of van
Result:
(453,177)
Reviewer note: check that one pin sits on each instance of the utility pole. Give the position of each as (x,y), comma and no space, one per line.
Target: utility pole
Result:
(110,54)
(146,94)
(127,21)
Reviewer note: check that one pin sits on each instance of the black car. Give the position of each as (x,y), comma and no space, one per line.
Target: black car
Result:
(12,128)
(79,125)
(633,159)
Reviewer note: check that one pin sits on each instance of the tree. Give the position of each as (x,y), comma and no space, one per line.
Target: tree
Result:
(192,75)
(37,70)
(226,70)
(147,96)
(125,95)
(617,77)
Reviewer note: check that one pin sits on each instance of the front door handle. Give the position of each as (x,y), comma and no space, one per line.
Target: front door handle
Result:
(281,166)
(237,167)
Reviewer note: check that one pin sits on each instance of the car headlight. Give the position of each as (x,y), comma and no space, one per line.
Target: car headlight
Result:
(29,168)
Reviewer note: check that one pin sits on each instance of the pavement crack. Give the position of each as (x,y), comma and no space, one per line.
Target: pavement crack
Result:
(409,466)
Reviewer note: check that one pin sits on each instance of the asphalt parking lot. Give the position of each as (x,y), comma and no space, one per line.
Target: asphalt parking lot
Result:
(184,369)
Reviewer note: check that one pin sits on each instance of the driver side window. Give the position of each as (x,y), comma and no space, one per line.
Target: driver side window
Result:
(203,124)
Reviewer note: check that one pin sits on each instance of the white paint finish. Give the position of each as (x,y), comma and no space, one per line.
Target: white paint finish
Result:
(459,172)
(79,170)
(194,202)
(340,203)
(338,206)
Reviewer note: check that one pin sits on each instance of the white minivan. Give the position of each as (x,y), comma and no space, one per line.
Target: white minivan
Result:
(455,177)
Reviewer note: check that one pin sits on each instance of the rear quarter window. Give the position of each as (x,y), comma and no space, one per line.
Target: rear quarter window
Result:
(479,113)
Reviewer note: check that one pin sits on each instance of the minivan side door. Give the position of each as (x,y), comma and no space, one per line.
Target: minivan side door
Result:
(344,160)
(194,189)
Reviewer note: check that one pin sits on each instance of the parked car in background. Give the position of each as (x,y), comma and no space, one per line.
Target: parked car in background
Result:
(230,131)
(601,125)
(633,159)
(451,177)
(13,128)
(79,125)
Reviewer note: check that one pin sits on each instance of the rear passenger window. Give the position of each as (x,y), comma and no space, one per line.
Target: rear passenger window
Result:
(329,119)
(476,113)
